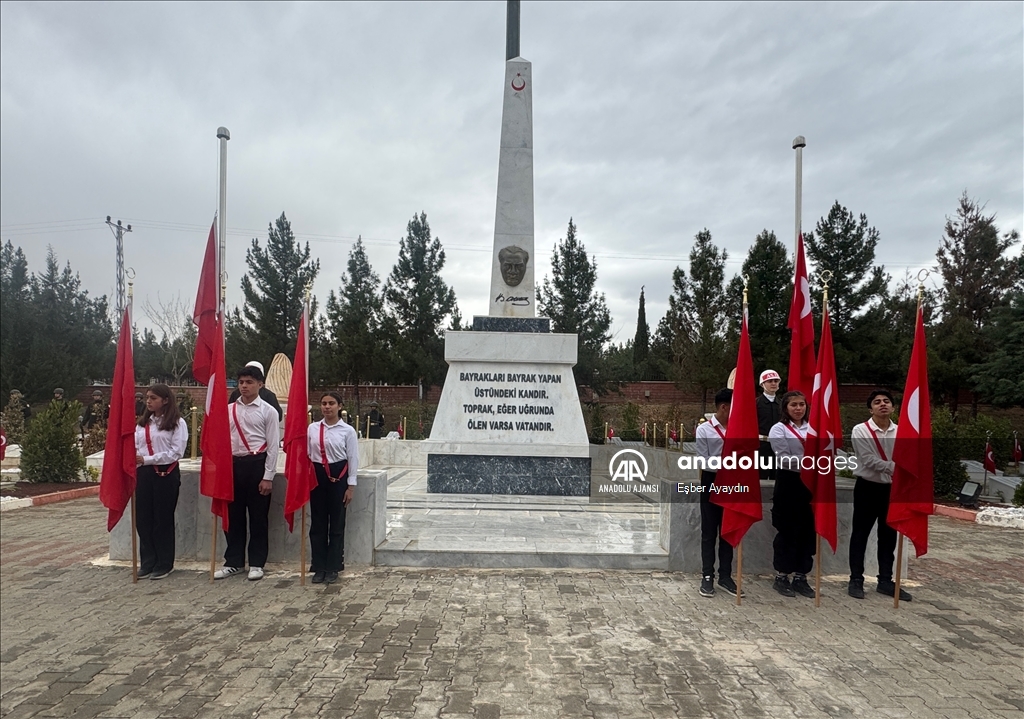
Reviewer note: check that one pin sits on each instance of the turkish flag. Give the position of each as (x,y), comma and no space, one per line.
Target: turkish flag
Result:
(611,432)
(205,314)
(216,476)
(990,458)
(801,326)
(824,437)
(1018,454)
(117,482)
(742,507)
(401,432)
(297,468)
(913,491)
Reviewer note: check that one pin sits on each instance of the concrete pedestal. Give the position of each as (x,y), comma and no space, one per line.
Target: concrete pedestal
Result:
(365,522)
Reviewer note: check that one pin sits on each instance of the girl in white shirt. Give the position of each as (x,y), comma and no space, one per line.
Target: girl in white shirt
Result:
(334,451)
(792,515)
(160,440)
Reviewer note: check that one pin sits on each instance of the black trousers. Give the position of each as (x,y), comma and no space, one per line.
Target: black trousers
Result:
(156,498)
(765,450)
(327,520)
(793,517)
(248,504)
(871,504)
(711,532)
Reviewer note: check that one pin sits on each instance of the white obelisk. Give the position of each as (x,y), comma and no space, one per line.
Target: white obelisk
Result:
(513,259)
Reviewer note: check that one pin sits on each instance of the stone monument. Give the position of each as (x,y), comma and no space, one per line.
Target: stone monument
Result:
(509,420)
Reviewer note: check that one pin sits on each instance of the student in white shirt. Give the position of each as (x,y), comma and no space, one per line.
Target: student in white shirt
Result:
(710,440)
(160,439)
(873,443)
(255,442)
(334,451)
(792,515)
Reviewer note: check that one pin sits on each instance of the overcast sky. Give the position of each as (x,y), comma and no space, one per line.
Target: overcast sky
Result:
(652,121)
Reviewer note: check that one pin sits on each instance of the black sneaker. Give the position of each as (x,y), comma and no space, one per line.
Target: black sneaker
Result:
(888,588)
(783,587)
(707,586)
(160,574)
(331,577)
(801,587)
(318,577)
(729,586)
(856,588)
(143,573)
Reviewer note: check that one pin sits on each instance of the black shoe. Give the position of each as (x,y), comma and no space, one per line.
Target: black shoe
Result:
(143,573)
(856,588)
(801,587)
(729,586)
(783,587)
(888,588)
(331,577)
(707,586)
(160,574)
(318,577)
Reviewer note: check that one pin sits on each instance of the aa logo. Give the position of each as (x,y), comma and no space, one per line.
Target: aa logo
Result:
(628,465)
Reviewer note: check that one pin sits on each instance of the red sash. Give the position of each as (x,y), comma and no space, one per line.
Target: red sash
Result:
(878,445)
(241,434)
(795,433)
(149,446)
(715,427)
(323,458)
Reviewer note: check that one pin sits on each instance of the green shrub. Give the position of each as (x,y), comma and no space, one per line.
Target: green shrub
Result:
(1018,495)
(949,472)
(14,421)
(630,430)
(50,451)
(974,432)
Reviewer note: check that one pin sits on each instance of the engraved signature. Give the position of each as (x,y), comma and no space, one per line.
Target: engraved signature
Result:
(517,301)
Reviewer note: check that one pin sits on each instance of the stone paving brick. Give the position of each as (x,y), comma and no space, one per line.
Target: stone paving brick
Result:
(459,643)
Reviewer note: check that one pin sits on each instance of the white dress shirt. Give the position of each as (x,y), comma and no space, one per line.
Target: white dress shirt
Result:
(870,464)
(168,445)
(341,443)
(786,444)
(259,422)
(709,441)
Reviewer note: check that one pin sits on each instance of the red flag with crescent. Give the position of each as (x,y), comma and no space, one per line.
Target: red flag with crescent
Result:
(990,458)
(801,326)
(298,470)
(117,482)
(912,497)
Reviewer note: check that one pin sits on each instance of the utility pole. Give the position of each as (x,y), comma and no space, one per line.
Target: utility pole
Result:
(119,231)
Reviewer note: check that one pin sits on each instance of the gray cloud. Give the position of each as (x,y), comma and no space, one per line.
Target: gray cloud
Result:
(652,121)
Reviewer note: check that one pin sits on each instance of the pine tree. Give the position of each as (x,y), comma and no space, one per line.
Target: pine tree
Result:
(354,322)
(49,452)
(569,299)
(641,341)
(15,318)
(418,300)
(845,246)
(770,274)
(275,292)
(977,280)
(999,379)
(695,323)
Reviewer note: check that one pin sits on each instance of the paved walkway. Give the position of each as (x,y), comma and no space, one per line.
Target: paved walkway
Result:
(81,640)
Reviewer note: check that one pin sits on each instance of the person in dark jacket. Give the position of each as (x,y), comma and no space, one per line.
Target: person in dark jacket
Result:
(265,394)
(769,411)
(376,421)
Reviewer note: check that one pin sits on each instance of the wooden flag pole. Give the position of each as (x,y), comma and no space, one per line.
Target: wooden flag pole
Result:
(899,571)
(135,547)
(817,572)
(302,550)
(213,545)
(739,572)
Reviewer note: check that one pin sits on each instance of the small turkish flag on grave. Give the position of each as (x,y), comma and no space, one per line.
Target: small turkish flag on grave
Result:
(990,458)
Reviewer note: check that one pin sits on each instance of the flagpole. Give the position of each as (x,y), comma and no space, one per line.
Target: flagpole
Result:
(799,143)
(739,547)
(135,538)
(826,276)
(302,535)
(222,213)
(899,541)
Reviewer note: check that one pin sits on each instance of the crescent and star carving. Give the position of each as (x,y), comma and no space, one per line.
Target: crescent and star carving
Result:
(522,82)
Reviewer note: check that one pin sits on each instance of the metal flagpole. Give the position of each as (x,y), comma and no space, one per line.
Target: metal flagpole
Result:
(135,539)
(222,212)
(799,143)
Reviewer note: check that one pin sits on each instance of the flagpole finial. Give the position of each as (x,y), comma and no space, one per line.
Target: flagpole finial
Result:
(746,284)
(922,275)
(307,291)
(826,277)
(130,274)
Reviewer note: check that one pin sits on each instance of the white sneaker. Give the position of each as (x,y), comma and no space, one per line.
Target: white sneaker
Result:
(225,572)
(255,573)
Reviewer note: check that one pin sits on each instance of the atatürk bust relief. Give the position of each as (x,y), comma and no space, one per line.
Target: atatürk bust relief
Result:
(512,260)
